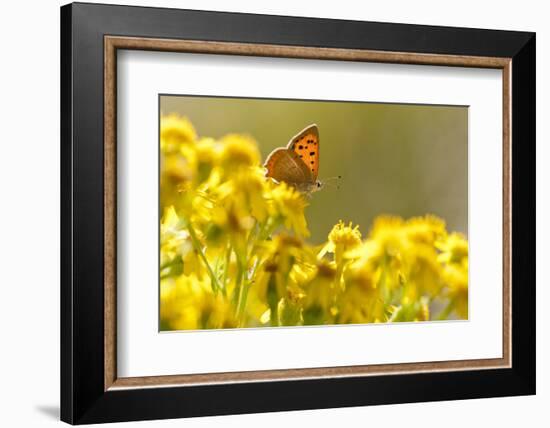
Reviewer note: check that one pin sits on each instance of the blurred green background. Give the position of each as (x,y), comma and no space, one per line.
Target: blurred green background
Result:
(398,159)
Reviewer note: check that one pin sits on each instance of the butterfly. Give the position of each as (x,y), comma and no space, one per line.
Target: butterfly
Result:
(297,164)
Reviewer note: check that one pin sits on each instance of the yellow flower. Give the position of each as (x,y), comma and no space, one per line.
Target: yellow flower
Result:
(410,310)
(347,236)
(389,232)
(406,252)
(320,295)
(207,157)
(341,239)
(290,308)
(364,274)
(175,131)
(176,169)
(230,209)
(283,266)
(289,204)
(247,191)
(425,230)
(187,303)
(454,258)
(454,249)
(361,300)
(456,278)
(174,240)
(239,151)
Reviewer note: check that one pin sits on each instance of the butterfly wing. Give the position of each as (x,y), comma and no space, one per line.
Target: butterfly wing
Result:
(285,165)
(306,145)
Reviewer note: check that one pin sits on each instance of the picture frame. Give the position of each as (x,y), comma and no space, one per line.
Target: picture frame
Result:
(91,390)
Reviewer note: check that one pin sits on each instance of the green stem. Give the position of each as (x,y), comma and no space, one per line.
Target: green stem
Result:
(168,265)
(243,295)
(447,311)
(243,278)
(273,299)
(198,248)
(239,291)
(267,228)
(219,273)
(253,272)
(226,269)
(339,260)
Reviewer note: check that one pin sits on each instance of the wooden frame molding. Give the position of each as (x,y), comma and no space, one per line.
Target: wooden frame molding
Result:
(113,43)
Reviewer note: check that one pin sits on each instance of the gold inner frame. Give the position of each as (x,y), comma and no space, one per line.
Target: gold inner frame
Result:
(112,43)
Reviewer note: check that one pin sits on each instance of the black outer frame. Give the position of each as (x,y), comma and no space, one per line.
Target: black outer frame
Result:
(83,399)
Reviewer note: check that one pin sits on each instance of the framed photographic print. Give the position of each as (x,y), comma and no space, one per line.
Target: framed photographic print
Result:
(265,213)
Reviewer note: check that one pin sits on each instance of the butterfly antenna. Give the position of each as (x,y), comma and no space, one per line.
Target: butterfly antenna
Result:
(333,181)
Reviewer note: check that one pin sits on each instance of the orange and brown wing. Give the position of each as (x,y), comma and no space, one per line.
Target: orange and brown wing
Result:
(285,165)
(306,146)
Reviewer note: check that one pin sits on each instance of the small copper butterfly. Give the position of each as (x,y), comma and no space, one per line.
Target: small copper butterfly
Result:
(297,164)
